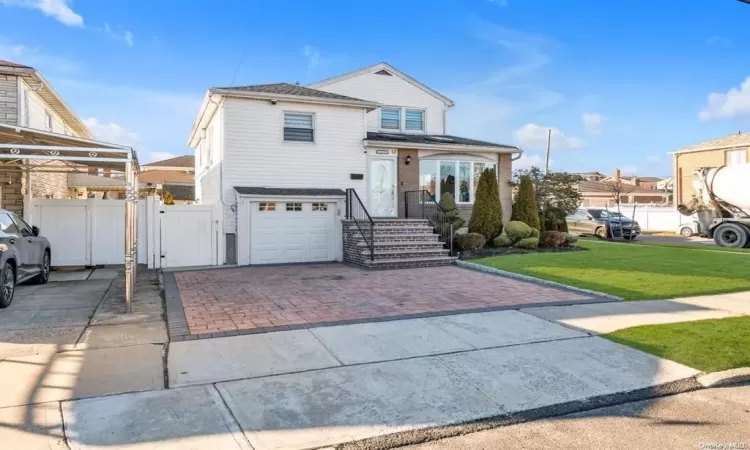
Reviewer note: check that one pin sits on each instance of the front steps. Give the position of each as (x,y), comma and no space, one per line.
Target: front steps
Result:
(399,243)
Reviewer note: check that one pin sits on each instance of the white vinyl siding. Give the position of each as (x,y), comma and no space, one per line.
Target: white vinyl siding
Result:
(299,127)
(37,110)
(255,153)
(207,186)
(393,91)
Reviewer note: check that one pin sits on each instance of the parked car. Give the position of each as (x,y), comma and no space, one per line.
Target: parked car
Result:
(24,255)
(603,224)
(689,229)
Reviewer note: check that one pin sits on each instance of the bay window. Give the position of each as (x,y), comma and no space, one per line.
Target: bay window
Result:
(459,178)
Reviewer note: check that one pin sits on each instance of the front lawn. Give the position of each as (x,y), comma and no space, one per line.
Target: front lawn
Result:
(707,345)
(635,272)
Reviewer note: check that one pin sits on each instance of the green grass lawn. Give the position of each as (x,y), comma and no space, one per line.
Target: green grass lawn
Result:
(707,345)
(635,272)
(704,247)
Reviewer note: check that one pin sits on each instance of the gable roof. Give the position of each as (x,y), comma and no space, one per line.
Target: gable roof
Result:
(187,161)
(43,89)
(165,177)
(289,89)
(731,141)
(606,187)
(377,68)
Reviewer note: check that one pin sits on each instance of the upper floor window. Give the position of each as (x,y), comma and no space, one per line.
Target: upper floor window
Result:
(414,120)
(299,127)
(47,121)
(402,119)
(390,118)
(736,157)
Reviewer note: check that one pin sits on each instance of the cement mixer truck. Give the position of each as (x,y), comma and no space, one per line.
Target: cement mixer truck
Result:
(722,204)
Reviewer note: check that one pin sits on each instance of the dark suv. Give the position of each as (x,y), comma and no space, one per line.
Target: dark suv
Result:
(603,224)
(24,255)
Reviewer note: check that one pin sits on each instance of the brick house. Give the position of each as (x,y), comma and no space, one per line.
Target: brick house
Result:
(28,100)
(728,150)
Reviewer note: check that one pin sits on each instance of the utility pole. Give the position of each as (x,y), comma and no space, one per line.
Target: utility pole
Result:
(549,139)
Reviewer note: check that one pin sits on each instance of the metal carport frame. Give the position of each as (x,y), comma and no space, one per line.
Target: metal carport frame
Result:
(34,151)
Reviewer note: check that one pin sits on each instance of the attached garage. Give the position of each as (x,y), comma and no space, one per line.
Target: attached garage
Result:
(281,226)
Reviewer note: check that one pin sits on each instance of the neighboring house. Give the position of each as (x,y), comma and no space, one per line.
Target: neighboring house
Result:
(279,157)
(667,184)
(590,176)
(732,149)
(604,193)
(643,182)
(173,175)
(28,100)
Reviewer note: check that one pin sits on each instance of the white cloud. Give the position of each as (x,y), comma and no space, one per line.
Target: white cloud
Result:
(593,123)
(35,57)
(534,136)
(59,9)
(121,35)
(734,103)
(111,132)
(528,160)
(653,158)
(313,56)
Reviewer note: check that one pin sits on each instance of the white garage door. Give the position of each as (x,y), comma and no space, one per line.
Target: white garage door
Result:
(289,232)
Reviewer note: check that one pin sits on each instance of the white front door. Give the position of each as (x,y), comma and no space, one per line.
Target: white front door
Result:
(382,195)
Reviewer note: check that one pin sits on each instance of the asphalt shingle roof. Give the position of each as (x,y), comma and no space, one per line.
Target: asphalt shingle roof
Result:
(12,64)
(178,161)
(606,186)
(290,89)
(432,139)
(302,192)
(733,140)
(180,191)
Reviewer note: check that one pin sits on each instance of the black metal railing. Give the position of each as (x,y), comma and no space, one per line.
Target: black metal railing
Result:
(422,205)
(356,211)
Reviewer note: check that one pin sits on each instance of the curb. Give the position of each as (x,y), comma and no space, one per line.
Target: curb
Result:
(423,435)
(725,377)
(492,270)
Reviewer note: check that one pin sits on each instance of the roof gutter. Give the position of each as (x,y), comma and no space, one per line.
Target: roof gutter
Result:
(706,149)
(293,98)
(71,118)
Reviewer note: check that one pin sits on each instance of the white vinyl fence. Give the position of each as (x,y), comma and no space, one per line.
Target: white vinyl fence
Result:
(654,218)
(91,232)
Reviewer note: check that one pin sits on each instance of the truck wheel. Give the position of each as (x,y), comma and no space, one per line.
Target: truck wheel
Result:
(747,232)
(731,235)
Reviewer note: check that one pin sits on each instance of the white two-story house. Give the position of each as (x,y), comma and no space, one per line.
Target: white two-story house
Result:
(279,157)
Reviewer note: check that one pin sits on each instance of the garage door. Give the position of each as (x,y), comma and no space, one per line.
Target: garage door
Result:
(289,232)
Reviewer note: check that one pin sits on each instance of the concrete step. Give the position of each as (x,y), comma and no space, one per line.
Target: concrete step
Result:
(387,229)
(401,245)
(403,263)
(411,237)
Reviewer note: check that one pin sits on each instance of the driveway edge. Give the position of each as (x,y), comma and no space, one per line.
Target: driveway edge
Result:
(725,377)
(177,325)
(518,276)
(421,436)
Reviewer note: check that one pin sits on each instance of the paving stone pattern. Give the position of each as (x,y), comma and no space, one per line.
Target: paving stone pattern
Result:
(228,301)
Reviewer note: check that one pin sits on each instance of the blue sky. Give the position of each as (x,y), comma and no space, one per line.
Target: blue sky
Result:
(620,82)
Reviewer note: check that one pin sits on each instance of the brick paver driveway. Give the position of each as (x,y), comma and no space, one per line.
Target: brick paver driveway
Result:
(252,299)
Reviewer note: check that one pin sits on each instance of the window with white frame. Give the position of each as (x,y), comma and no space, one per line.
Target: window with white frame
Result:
(320,206)
(266,206)
(390,118)
(401,119)
(736,157)
(294,206)
(47,121)
(299,127)
(459,178)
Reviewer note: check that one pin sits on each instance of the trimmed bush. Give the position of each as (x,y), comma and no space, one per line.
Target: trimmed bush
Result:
(471,241)
(527,243)
(503,241)
(570,239)
(524,206)
(534,233)
(449,206)
(486,217)
(517,230)
(553,239)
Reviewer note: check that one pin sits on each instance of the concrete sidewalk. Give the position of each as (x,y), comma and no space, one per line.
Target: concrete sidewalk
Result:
(602,318)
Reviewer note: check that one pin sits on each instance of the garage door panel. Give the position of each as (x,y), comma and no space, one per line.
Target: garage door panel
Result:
(283,236)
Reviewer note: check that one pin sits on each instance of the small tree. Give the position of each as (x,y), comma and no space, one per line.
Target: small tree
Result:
(524,208)
(486,217)
(449,206)
(557,196)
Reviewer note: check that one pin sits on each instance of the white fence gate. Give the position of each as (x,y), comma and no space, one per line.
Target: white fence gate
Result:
(654,218)
(92,232)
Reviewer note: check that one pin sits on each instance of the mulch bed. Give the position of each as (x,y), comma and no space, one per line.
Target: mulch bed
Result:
(500,251)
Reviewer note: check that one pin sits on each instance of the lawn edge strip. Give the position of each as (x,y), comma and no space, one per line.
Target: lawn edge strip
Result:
(724,377)
(505,273)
